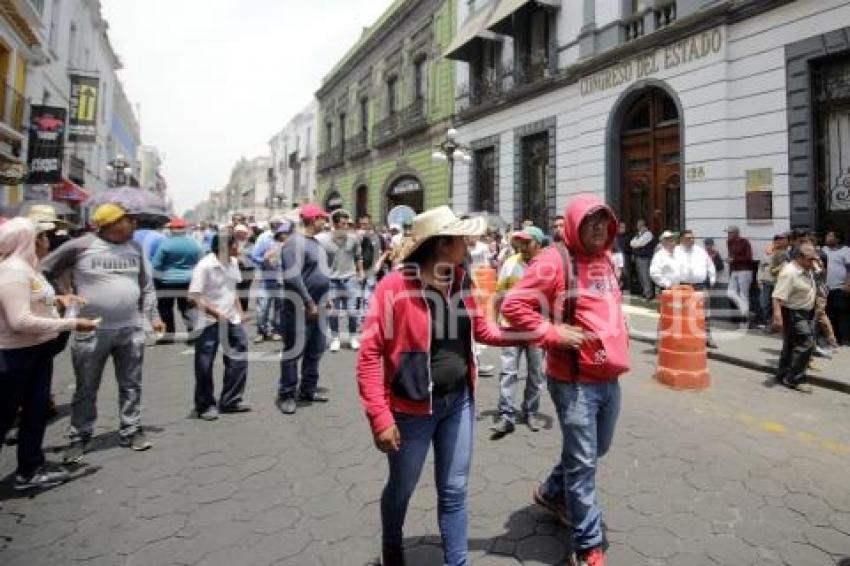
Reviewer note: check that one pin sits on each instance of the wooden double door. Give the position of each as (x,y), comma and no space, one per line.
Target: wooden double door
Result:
(650,145)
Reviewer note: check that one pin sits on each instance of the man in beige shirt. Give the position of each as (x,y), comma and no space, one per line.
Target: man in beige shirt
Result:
(793,313)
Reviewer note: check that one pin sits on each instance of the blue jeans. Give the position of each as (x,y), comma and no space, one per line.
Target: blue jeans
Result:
(268,309)
(235,366)
(450,428)
(508,379)
(303,340)
(587,413)
(344,293)
(368,290)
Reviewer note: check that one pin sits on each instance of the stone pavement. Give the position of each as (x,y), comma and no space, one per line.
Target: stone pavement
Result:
(750,348)
(740,474)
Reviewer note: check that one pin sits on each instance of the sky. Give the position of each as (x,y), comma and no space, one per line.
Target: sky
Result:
(216,79)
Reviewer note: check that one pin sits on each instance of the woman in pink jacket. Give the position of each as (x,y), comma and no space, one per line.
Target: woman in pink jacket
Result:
(29,328)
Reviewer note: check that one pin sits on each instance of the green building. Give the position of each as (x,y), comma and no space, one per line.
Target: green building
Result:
(384,108)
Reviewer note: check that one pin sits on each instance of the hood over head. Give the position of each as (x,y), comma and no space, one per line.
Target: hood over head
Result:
(578,208)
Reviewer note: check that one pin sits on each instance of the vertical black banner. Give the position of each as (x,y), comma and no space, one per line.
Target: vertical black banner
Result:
(82,123)
(46,141)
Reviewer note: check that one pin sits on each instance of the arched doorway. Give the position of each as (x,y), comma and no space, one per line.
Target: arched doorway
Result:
(650,155)
(333,201)
(361,201)
(408,191)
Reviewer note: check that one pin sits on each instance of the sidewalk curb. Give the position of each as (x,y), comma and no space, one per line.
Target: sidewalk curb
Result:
(823,382)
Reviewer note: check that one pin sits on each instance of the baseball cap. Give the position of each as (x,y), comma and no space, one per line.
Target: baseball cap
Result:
(312,212)
(241,228)
(177,223)
(529,233)
(107,214)
(668,235)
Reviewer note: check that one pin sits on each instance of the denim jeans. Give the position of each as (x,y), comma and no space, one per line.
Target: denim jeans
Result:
(25,375)
(738,290)
(303,340)
(587,413)
(89,353)
(268,309)
(450,428)
(344,293)
(235,366)
(368,290)
(508,380)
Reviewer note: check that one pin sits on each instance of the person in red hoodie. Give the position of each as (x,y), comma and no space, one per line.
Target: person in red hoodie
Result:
(416,373)
(577,283)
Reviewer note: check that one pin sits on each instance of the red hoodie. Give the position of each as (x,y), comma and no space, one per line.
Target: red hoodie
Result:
(393,365)
(598,307)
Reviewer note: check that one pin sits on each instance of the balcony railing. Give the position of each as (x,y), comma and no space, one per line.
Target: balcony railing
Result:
(665,14)
(406,122)
(330,158)
(13,107)
(532,69)
(660,16)
(357,146)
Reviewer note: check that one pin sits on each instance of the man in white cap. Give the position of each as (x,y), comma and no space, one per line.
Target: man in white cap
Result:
(664,269)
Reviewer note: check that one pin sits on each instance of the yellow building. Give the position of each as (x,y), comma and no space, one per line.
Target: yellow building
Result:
(21,45)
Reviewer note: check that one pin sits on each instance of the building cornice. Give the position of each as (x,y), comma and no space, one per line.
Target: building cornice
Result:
(725,13)
(375,41)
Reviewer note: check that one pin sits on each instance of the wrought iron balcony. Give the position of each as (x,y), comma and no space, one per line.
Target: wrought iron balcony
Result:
(532,69)
(357,146)
(330,159)
(406,122)
(659,16)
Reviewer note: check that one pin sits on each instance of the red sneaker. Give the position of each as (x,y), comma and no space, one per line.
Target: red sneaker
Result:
(593,557)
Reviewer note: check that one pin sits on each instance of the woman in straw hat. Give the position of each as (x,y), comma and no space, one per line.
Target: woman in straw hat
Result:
(416,373)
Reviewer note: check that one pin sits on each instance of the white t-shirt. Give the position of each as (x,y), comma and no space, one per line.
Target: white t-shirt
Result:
(217,283)
(695,267)
(837,266)
(664,269)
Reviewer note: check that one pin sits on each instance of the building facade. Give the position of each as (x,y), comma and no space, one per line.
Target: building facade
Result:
(689,113)
(293,153)
(80,77)
(382,110)
(249,190)
(23,45)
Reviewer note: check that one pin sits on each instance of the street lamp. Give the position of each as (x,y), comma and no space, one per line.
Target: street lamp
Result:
(451,150)
(119,169)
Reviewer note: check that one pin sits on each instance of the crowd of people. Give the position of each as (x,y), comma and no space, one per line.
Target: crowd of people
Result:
(322,282)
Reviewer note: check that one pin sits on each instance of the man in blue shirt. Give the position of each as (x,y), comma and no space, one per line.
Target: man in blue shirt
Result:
(173,262)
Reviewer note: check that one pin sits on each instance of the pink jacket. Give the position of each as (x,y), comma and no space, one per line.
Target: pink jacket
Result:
(537,301)
(393,365)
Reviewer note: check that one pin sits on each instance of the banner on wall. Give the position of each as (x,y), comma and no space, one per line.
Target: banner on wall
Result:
(46,143)
(82,122)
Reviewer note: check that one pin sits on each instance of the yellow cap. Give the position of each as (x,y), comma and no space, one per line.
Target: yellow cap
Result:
(107,214)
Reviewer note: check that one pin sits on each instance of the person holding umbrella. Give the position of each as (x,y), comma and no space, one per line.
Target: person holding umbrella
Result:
(111,273)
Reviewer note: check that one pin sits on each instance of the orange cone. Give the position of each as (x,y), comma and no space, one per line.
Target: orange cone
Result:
(682,355)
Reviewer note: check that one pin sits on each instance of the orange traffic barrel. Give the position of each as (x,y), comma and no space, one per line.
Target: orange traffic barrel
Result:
(485,285)
(682,355)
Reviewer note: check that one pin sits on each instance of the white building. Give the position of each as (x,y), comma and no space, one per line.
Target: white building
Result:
(249,190)
(149,164)
(293,157)
(688,113)
(79,45)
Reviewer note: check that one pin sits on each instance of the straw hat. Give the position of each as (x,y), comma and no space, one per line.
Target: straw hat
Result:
(440,221)
(44,216)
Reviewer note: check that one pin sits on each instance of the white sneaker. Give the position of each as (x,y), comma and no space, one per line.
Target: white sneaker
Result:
(334,345)
(355,344)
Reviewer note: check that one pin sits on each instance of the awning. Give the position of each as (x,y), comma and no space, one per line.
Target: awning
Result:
(69,190)
(500,20)
(465,44)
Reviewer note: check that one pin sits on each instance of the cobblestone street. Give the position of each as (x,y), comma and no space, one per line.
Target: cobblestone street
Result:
(740,474)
